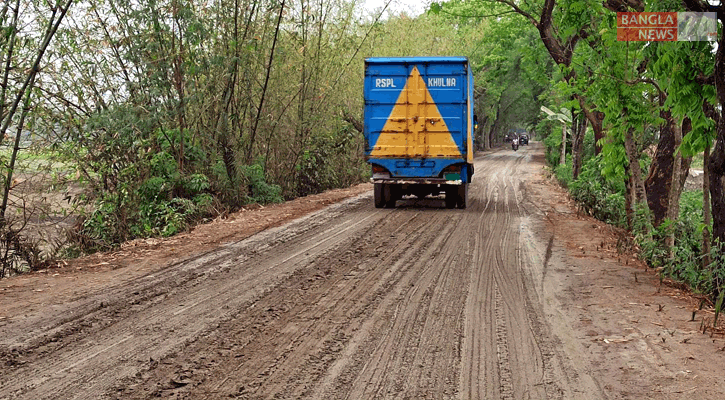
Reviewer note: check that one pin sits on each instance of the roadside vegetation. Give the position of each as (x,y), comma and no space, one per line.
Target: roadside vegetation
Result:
(633,117)
(148,117)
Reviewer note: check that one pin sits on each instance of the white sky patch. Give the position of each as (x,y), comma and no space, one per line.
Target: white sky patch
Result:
(412,7)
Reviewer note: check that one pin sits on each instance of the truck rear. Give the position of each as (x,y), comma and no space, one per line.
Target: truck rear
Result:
(418,128)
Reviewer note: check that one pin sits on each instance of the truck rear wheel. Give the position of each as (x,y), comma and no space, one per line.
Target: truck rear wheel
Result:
(385,195)
(451,197)
(378,195)
(462,196)
(391,194)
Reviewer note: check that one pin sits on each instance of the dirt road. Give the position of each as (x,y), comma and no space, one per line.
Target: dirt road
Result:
(515,297)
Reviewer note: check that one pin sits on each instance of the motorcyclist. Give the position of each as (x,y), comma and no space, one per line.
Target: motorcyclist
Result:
(515,143)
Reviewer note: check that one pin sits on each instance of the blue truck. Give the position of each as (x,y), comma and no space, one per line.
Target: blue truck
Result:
(418,128)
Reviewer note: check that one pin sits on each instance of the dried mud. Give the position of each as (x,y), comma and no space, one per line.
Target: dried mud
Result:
(516,297)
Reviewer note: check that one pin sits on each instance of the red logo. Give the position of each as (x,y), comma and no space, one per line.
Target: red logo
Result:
(647,26)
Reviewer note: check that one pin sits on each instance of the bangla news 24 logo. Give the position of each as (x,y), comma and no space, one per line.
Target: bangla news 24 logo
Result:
(667,26)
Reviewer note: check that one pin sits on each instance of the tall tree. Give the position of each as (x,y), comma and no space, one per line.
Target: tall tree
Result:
(716,161)
(561,41)
(24,92)
(511,69)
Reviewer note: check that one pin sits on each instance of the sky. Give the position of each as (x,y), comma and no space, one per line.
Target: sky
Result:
(413,7)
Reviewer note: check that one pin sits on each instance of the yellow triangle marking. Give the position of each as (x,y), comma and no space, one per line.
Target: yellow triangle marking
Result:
(415,127)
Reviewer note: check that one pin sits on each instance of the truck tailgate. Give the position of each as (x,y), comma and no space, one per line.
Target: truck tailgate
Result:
(415,111)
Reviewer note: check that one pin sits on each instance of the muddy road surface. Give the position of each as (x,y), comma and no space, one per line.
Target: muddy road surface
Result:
(515,297)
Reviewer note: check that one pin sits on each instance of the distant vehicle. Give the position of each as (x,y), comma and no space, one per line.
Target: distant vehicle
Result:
(524,139)
(418,128)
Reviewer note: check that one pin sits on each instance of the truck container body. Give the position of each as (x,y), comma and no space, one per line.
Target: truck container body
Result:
(418,127)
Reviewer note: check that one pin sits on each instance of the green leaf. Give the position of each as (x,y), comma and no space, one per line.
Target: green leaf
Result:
(435,8)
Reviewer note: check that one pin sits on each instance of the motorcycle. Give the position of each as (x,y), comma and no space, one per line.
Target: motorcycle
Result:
(515,144)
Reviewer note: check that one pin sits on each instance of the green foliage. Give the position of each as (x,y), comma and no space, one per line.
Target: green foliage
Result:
(511,66)
(651,239)
(140,189)
(588,151)
(631,83)
(677,65)
(605,201)
(552,141)
(330,162)
(564,172)
(684,261)
(259,190)
(599,196)
(613,161)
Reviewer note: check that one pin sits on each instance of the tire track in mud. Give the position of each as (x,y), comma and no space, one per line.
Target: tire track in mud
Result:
(33,332)
(390,321)
(343,308)
(505,377)
(351,302)
(420,336)
(311,345)
(156,324)
(502,356)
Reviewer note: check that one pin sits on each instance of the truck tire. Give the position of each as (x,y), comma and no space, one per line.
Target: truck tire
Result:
(451,196)
(378,195)
(462,196)
(391,193)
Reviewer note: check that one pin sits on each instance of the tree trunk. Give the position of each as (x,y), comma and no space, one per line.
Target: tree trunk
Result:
(707,214)
(24,94)
(252,136)
(638,190)
(484,137)
(178,66)
(224,136)
(717,158)
(350,119)
(673,200)
(14,157)
(494,128)
(628,194)
(659,180)
(562,156)
(10,41)
(717,186)
(599,133)
(596,119)
(52,28)
(577,147)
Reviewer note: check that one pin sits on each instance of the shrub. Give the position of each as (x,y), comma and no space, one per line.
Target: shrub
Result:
(150,197)
(599,197)
(552,143)
(564,172)
(683,262)
(259,191)
(331,159)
